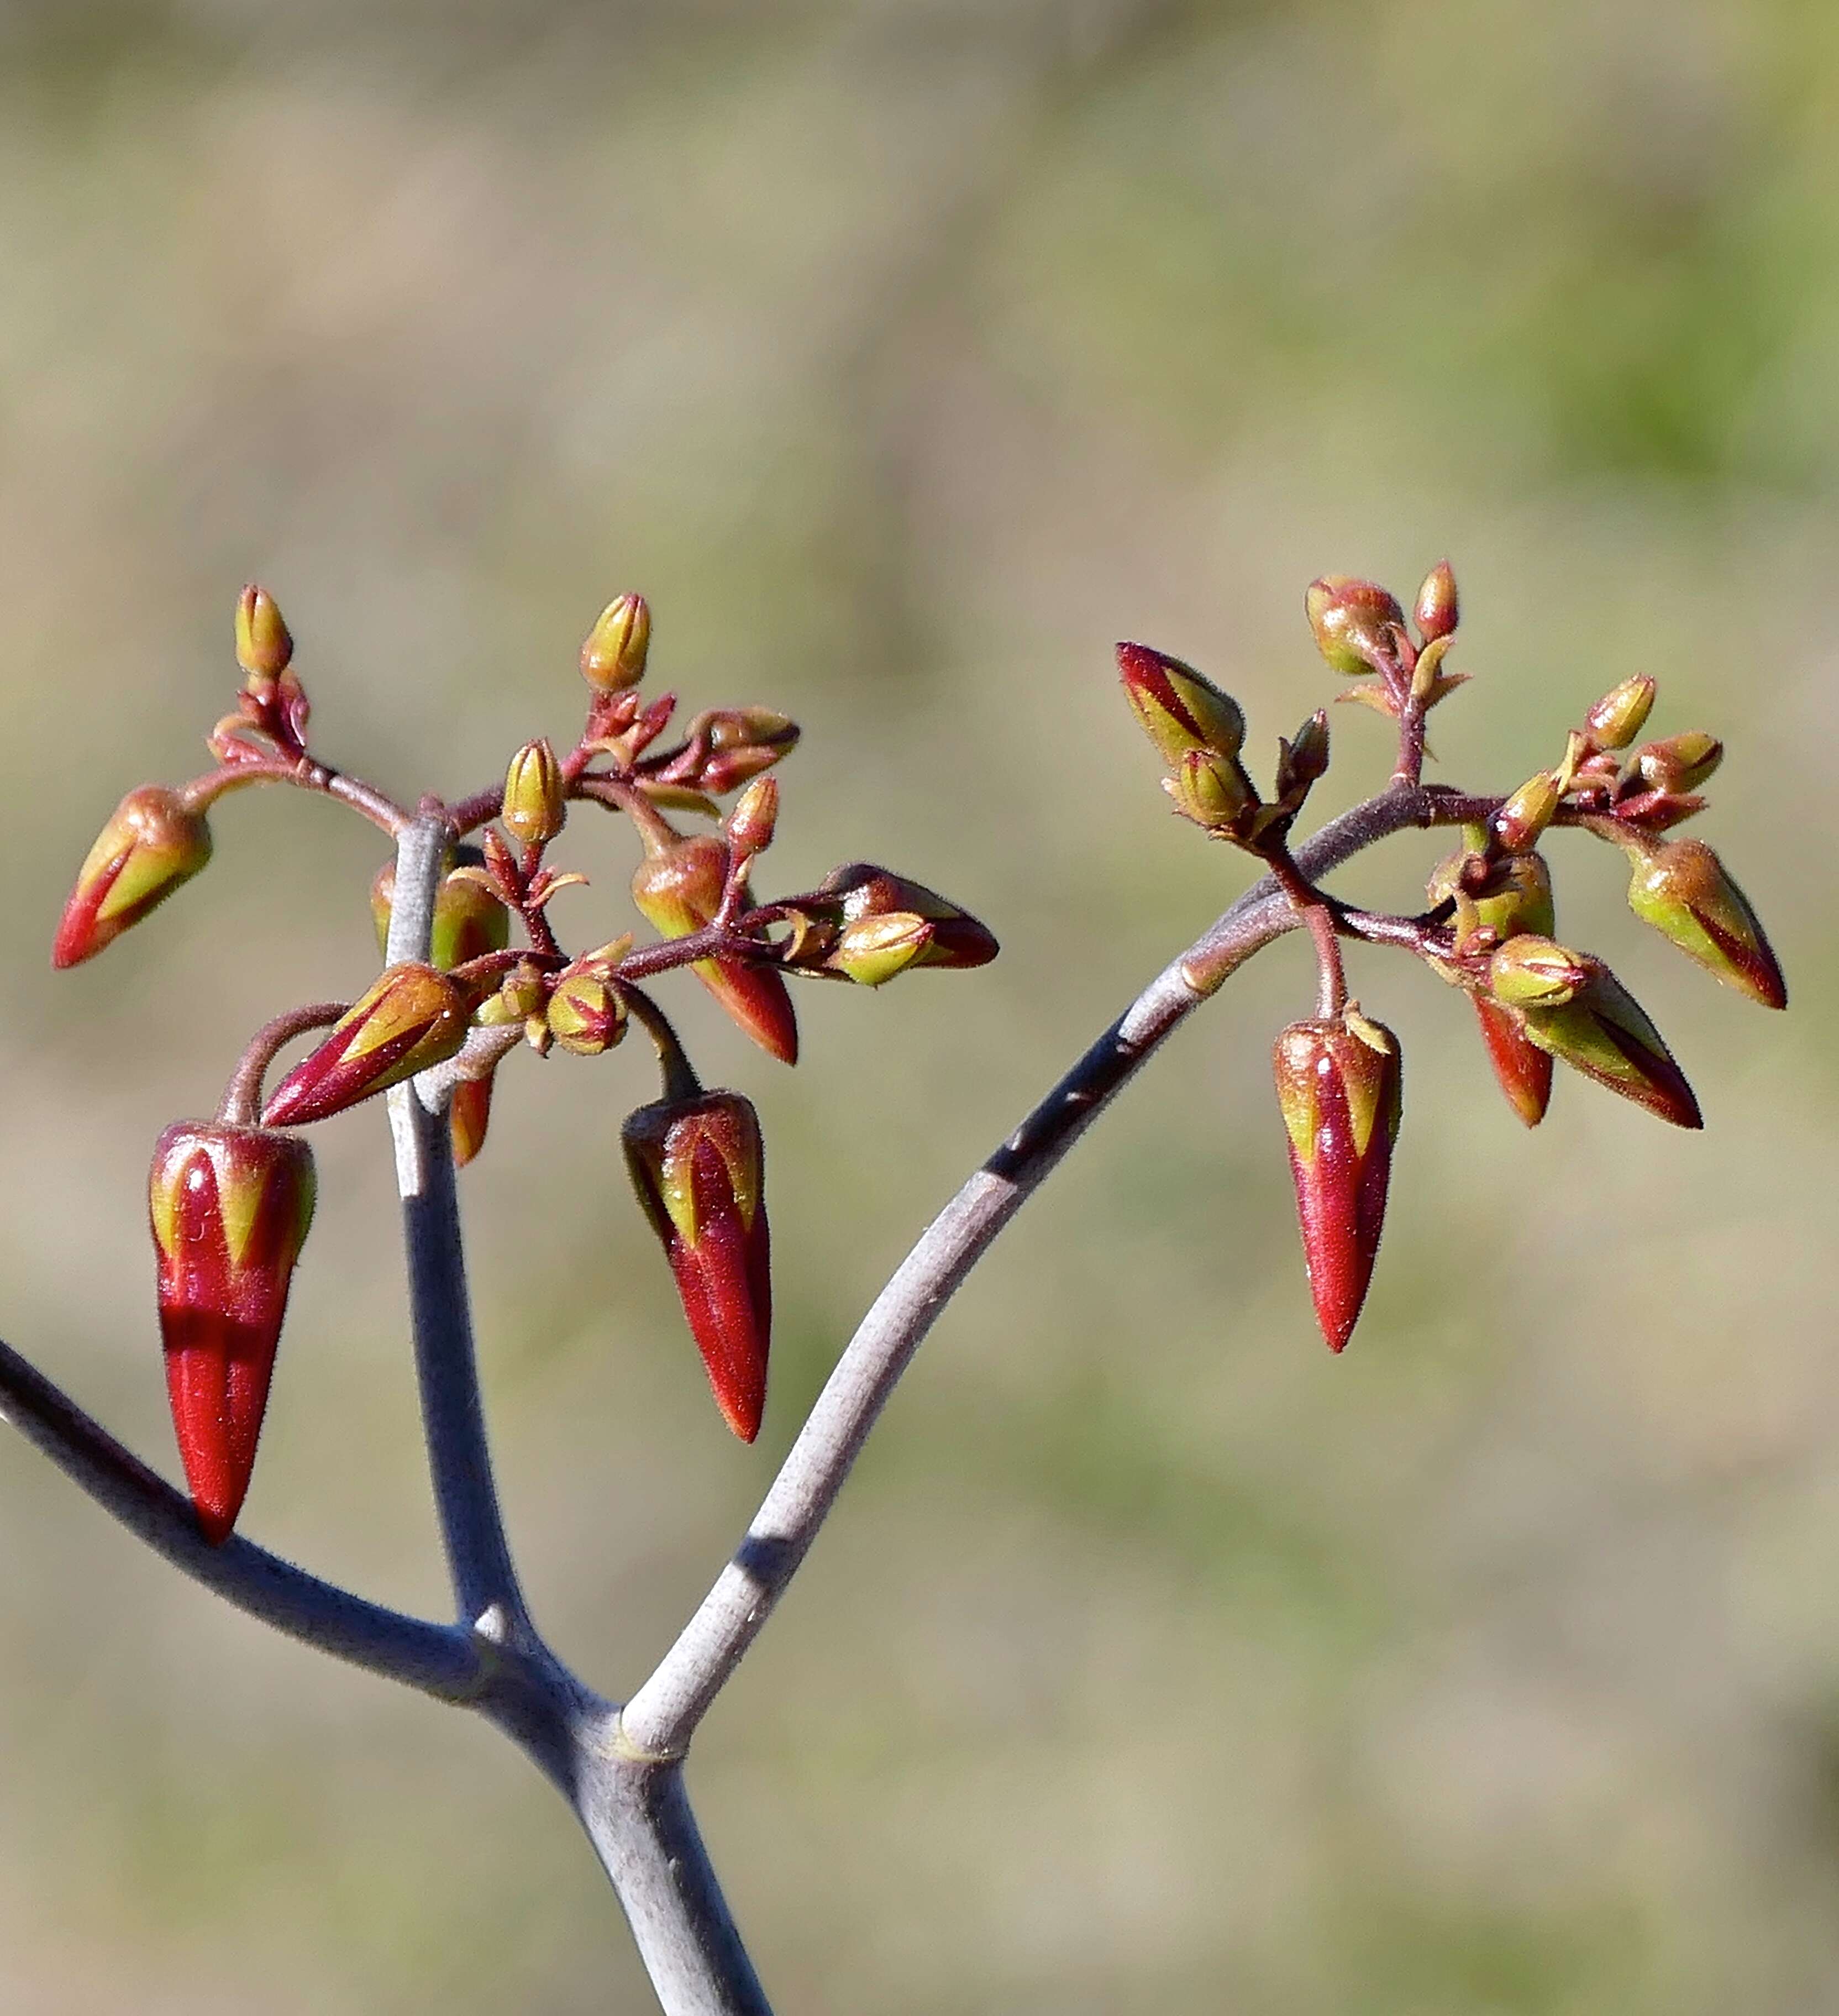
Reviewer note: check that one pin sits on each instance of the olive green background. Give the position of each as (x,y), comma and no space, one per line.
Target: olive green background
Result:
(905,355)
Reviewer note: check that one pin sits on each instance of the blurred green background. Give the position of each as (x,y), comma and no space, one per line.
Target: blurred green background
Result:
(905,355)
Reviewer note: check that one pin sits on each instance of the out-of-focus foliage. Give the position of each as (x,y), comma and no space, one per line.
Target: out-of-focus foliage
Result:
(905,355)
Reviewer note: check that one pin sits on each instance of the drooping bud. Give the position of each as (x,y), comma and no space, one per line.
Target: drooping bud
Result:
(1620,715)
(154,843)
(1529,971)
(1679,764)
(613,657)
(229,1207)
(468,1117)
(1213,791)
(1526,814)
(699,1168)
(469,920)
(1682,888)
(677,889)
(1522,1070)
(1353,621)
(954,937)
(1339,1090)
(1437,610)
(1178,710)
(264,648)
(412,1016)
(1603,1033)
(586,1014)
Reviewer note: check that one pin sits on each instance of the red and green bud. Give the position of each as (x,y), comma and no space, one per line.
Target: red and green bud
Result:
(265,650)
(154,842)
(1522,1070)
(468,1116)
(677,887)
(413,1017)
(535,801)
(872,950)
(1339,1089)
(1681,888)
(1621,714)
(613,657)
(1529,971)
(587,1014)
(1356,623)
(860,891)
(1524,816)
(753,817)
(1213,791)
(469,920)
(699,1168)
(1681,763)
(229,1207)
(1437,610)
(1178,710)
(1603,1032)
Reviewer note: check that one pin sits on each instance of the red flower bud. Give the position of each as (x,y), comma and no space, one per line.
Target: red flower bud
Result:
(1438,607)
(229,1207)
(950,936)
(412,1016)
(699,1168)
(468,1116)
(1178,709)
(1523,1070)
(154,843)
(1354,621)
(1603,1032)
(1339,1089)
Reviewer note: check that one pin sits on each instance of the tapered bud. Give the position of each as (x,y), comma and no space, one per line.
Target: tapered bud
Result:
(1679,764)
(677,889)
(1437,610)
(230,1207)
(264,648)
(1178,710)
(1210,790)
(954,937)
(1523,1070)
(1353,621)
(1532,972)
(412,1016)
(753,816)
(1302,760)
(535,797)
(468,1117)
(1620,715)
(699,1168)
(1603,1032)
(613,657)
(1338,1089)
(1680,887)
(152,843)
(586,1014)
(1526,814)
(469,921)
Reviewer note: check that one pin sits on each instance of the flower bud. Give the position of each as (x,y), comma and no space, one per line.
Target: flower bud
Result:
(1339,1090)
(412,1016)
(1522,1070)
(1603,1032)
(699,1168)
(229,1207)
(753,816)
(1178,709)
(264,648)
(1679,764)
(534,795)
(468,1116)
(613,657)
(1681,888)
(1524,900)
(1213,792)
(1353,621)
(1438,611)
(1529,971)
(1302,760)
(955,938)
(153,842)
(1620,715)
(586,1014)
(469,921)
(1526,814)
(872,951)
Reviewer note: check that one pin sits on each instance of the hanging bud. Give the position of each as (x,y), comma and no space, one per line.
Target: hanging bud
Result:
(1603,1033)
(152,843)
(1679,764)
(1338,1089)
(1178,710)
(1532,972)
(1211,791)
(230,1207)
(412,1016)
(1621,714)
(468,1116)
(677,889)
(1680,887)
(699,1168)
(534,795)
(613,657)
(469,920)
(586,1014)
(1437,610)
(1523,1070)
(954,938)
(264,648)
(753,816)
(1354,622)
(1526,814)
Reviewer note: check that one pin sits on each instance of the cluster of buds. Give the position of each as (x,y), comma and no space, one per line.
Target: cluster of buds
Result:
(1491,926)
(231,1200)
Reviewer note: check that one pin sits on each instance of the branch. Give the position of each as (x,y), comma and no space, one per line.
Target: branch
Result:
(660,1718)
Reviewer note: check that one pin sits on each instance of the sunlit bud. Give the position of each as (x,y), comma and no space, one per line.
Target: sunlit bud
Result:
(753,816)
(1532,972)
(1523,902)
(1210,790)
(586,1014)
(699,1168)
(1621,714)
(613,657)
(1603,1033)
(1523,1070)
(1354,621)
(230,1207)
(955,938)
(1526,814)
(534,796)
(872,950)
(468,1116)
(1438,611)
(1304,758)
(1338,1089)
(152,843)
(728,768)
(469,921)
(1178,709)
(412,1016)
(1681,763)
(1681,888)
(264,648)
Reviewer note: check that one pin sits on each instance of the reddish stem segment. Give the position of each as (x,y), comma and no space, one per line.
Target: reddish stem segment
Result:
(242,1102)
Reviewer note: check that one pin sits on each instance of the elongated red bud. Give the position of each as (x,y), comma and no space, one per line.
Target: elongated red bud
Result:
(952,937)
(230,1207)
(1178,709)
(152,843)
(1340,1089)
(1603,1033)
(1522,1070)
(699,1170)
(468,1116)
(1682,888)
(413,1016)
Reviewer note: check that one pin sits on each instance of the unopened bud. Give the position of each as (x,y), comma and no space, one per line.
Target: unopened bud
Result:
(412,1016)
(753,816)
(1526,814)
(154,843)
(1603,1032)
(1682,889)
(534,795)
(264,648)
(1621,714)
(1529,971)
(586,1015)
(613,657)
(1680,763)
(1212,792)
(1178,709)
(1354,622)
(1438,611)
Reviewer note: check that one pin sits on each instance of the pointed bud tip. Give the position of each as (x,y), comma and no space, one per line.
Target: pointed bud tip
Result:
(264,648)
(613,655)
